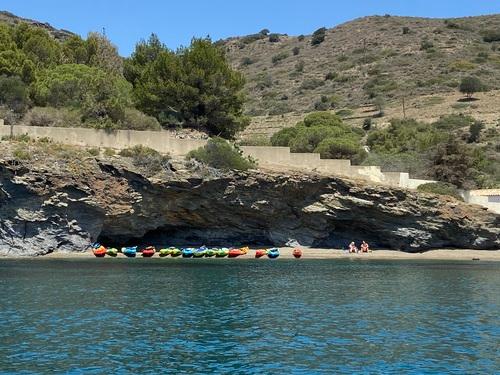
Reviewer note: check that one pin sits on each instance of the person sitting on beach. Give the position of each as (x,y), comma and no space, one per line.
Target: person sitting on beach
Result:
(353,248)
(364,247)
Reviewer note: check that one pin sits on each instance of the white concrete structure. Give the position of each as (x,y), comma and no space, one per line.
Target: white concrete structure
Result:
(489,198)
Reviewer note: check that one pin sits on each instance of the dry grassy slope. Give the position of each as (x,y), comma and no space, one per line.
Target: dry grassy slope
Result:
(364,49)
(7,17)
(425,108)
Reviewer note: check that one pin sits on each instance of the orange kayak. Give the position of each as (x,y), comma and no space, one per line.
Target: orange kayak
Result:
(297,253)
(148,251)
(100,252)
(233,253)
(260,253)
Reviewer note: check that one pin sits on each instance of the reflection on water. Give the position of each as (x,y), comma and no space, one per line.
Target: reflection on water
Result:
(316,316)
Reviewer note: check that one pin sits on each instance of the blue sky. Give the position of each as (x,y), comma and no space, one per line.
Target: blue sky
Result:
(176,22)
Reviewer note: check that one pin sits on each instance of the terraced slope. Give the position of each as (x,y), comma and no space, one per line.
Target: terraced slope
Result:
(381,56)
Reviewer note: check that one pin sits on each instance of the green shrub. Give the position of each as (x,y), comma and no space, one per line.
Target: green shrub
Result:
(252,38)
(96,93)
(367,124)
(453,122)
(331,76)
(440,188)
(406,30)
(274,38)
(136,120)
(57,117)
(378,85)
(475,131)
(109,152)
(426,45)
(279,57)
(17,138)
(450,24)
(344,112)
(470,85)
(22,153)
(324,133)
(148,160)
(308,138)
(318,36)
(278,108)
(296,51)
(340,148)
(94,151)
(491,35)
(13,93)
(452,162)
(403,136)
(311,84)
(461,66)
(221,154)
(284,136)
(300,38)
(322,119)
(299,67)
(246,61)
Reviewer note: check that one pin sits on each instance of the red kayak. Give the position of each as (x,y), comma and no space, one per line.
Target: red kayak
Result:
(148,252)
(100,252)
(233,253)
(260,253)
(297,253)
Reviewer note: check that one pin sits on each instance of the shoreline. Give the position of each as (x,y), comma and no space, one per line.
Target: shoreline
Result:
(313,253)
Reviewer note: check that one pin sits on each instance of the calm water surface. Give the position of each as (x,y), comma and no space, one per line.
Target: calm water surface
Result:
(249,317)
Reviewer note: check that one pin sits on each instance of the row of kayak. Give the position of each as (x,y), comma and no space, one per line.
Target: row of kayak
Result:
(189,252)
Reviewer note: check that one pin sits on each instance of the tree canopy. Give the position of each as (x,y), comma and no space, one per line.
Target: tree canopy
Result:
(194,86)
(191,87)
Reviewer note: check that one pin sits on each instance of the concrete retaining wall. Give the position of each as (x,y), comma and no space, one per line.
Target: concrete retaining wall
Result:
(270,155)
(119,139)
(165,143)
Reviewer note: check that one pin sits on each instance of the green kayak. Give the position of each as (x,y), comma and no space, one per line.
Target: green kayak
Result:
(175,252)
(221,253)
(112,252)
(210,252)
(165,252)
(199,254)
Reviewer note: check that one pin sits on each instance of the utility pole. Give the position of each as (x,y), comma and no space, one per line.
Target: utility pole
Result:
(404,109)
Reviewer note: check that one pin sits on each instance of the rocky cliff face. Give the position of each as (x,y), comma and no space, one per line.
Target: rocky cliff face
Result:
(49,208)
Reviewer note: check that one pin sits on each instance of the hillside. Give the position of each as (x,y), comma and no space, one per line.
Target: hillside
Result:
(12,19)
(381,56)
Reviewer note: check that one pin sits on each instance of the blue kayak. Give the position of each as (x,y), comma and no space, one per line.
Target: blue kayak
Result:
(273,253)
(130,252)
(188,252)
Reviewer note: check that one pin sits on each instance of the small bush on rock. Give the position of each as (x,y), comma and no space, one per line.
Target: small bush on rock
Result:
(440,188)
(221,154)
(148,160)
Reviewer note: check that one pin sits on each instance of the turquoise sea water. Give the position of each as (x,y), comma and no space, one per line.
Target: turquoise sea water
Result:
(249,317)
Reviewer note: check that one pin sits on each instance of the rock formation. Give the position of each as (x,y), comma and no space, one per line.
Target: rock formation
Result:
(46,208)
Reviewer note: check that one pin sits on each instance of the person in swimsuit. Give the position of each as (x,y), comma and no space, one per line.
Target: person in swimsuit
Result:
(364,247)
(353,248)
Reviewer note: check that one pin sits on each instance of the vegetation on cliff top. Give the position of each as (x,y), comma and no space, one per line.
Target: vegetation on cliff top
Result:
(221,154)
(324,133)
(191,87)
